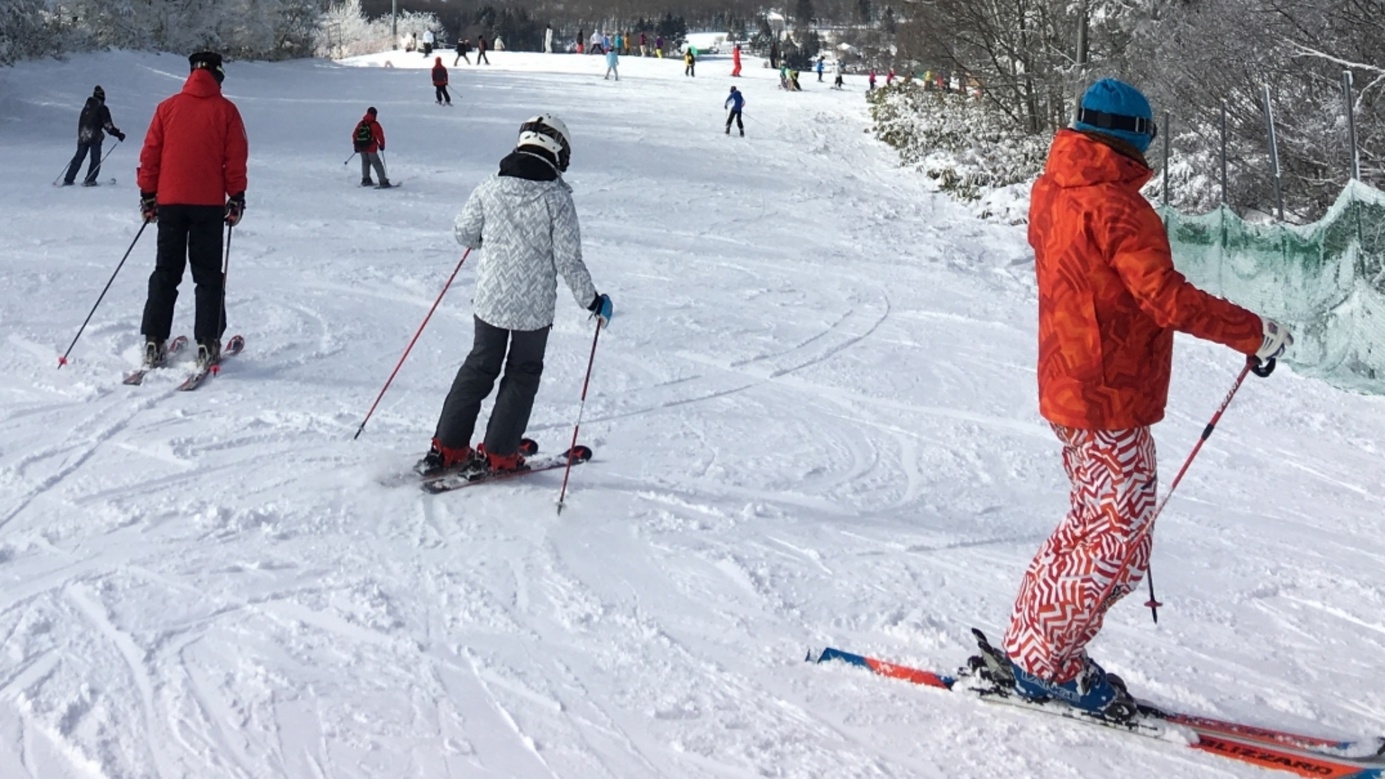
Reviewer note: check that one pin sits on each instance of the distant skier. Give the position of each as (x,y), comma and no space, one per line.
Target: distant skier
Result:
(191,181)
(94,119)
(889,78)
(440,82)
(428,40)
(481,50)
(793,82)
(659,46)
(840,81)
(644,45)
(524,219)
(1109,302)
(871,81)
(736,102)
(689,62)
(369,140)
(612,64)
(821,66)
(462,47)
(736,60)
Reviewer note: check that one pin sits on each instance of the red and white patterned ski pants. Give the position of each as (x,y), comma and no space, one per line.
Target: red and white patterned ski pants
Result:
(1100,541)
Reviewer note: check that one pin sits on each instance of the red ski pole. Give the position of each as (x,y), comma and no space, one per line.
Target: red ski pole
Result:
(1251,365)
(410,347)
(580,408)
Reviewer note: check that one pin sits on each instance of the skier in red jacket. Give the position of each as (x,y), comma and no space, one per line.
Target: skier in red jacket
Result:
(191,180)
(440,82)
(369,140)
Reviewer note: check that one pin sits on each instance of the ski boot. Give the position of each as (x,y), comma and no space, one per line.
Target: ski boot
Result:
(208,354)
(442,460)
(1093,691)
(155,352)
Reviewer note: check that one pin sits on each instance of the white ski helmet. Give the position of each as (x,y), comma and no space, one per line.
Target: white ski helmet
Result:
(547,132)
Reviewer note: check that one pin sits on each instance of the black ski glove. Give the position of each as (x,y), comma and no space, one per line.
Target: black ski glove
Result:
(235,208)
(119,135)
(149,206)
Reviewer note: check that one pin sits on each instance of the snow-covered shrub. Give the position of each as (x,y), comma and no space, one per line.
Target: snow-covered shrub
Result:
(968,148)
(347,32)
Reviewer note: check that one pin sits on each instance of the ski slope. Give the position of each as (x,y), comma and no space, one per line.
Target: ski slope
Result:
(815,423)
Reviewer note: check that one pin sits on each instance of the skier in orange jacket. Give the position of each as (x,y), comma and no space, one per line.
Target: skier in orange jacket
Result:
(1109,303)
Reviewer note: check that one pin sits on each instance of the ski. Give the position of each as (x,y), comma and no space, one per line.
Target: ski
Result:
(193,381)
(578,455)
(1297,753)
(392,185)
(137,377)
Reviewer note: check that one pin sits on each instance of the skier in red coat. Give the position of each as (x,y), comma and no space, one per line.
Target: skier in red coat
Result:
(191,180)
(736,60)
(369,140)
(440,82)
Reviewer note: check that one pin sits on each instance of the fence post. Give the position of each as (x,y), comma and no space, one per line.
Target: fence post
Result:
(1274,155)
(1351,126)
(1166,158)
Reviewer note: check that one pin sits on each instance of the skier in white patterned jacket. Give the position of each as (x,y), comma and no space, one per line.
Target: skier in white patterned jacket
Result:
(525,219)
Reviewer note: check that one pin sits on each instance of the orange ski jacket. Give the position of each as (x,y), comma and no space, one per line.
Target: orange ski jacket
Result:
(1109,297)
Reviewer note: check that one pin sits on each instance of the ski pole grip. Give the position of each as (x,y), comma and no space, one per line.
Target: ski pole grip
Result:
(1261,369)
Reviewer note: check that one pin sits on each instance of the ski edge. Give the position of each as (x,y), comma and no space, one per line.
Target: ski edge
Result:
(448,483)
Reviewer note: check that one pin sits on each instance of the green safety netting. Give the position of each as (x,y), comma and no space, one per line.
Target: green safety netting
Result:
(1325,280)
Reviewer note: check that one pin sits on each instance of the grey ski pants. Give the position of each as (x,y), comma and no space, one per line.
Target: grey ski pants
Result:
(371,159)
(523,368)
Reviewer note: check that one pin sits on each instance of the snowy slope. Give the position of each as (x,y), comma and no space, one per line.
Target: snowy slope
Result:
(814,419)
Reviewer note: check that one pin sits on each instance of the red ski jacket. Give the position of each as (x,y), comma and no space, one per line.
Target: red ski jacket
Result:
(1109,297)
(439,74)
(377,134)
(195,150)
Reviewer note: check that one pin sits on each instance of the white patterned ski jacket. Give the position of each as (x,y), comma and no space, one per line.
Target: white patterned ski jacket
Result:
(531,236)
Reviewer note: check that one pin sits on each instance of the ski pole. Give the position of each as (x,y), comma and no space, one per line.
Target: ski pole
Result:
(225,270)
(580,408)
(63,172)
(348,159)
(1251,364)
(63,359)
(386,168)
(408,348)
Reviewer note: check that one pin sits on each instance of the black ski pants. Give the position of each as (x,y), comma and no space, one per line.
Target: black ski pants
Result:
(188,235)
(515,401)
(736,115)
(440,91)
(94,169)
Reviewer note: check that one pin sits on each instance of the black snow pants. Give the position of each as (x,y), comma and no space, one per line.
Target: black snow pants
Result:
(515,401)
(187,235)
(92,147)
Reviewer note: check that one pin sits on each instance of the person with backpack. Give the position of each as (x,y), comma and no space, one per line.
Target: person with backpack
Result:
(369,140)
(481,50)
(440,81)
(462,46)
(524,220)
(736,102)
(191,182)
(92,125)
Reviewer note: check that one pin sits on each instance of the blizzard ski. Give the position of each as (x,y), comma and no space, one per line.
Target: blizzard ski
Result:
(1301,754)
(577,454)
(193,381)
(137,377)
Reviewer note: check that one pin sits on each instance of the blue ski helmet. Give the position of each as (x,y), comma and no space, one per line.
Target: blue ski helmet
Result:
(1119,110)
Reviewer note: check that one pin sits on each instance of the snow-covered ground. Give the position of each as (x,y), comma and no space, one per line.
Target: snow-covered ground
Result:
(814,419)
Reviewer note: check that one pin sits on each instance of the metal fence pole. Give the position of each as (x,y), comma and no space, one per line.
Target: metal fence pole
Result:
(1274,155)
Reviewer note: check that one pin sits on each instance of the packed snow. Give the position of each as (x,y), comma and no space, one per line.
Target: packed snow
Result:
(815,423)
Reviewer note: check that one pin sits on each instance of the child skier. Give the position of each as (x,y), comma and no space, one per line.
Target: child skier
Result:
(525,219)
(612,64)
(440,82)
(736,101)
(369,140)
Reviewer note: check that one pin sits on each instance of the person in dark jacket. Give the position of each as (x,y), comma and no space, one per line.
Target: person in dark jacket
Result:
(95,119)
(369,140)
(525,219)
(440,81)
(481,50)
(462,46)
(191,180)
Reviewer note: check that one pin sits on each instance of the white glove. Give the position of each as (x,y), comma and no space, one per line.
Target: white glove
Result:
(1277,339)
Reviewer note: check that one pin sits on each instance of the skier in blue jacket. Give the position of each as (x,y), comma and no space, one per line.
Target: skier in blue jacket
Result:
(735,101)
